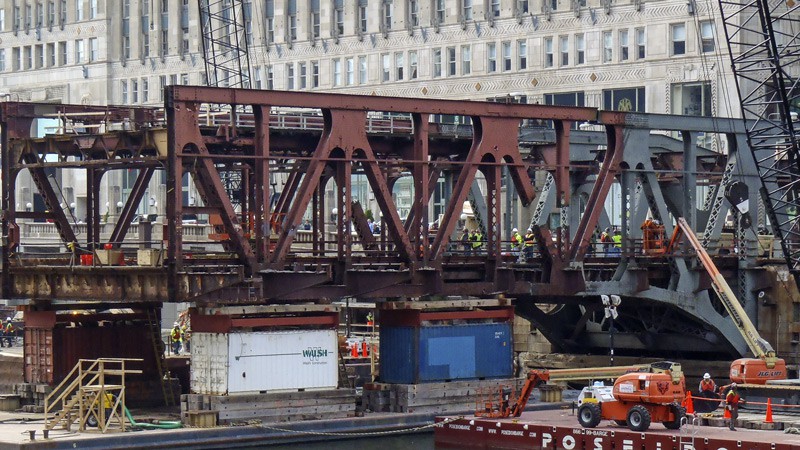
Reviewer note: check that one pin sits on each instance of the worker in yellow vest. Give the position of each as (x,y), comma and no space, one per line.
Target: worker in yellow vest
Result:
(9,332)
(516,242)
(175,337)
(617,240)
(530,241)
(477,240)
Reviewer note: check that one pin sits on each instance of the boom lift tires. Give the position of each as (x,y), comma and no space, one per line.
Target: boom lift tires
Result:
(638,418)
(679,412)
(589,415)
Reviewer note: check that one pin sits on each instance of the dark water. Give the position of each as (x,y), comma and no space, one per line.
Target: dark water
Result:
(412,441)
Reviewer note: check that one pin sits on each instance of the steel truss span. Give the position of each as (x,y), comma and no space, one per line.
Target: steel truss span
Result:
(295,156)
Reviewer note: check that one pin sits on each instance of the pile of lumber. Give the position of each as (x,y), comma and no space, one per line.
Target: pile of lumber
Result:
(271,407)
(435,398)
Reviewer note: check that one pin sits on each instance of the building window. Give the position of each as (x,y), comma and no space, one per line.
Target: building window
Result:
(78,10)
(506,46)
(28,57)
(315,19)
(16,59)
(28,17)
(398,66)
(412,64)
(301,68)
(522,6)
(162,83)
(548,52)
(691,99)
(563,46)
(134,91)
(386,67)
(247,13)
(269,12)
(185,79)
(451,61)
(678,39)
(292,19)
(624,45)
(495,8)
(62,53)
(440,12)
(51,54)
(2,60)
(337,72)
(314,74)
(124,91)
(466,60)
(362,70)
(290,76)
(93,49)
(164,41)
(707,36)
(39,15)
(350,72)
(437,62)
(565,99)
(466,10)
(387,14)
(3,19)
(522,54)
(631,99)
(338,17)
(145,90)
(39,56)
(491,55)
(608,46)
(126,29)
(580,49)
(362,16)
(270,78)
(79,51)
(413,13)
(51,13)
(93,8)
(641,43)
(553,5)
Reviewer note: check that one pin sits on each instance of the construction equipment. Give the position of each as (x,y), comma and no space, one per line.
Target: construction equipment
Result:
(637,399)
(766,365)
(504,408)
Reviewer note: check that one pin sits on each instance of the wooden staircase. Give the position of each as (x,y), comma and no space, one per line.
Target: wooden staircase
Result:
(85,395)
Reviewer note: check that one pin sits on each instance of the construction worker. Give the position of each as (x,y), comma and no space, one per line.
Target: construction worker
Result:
(617,242)
(530,241)
(186,335)
(516,242)
(732,401)
(465,240)
(175,336)
(8,333)
(707,384)
(477,240)
(606,240)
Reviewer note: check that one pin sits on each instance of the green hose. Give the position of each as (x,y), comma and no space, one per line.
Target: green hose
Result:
(161,425)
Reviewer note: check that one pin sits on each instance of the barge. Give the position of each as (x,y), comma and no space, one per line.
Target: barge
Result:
(559,430)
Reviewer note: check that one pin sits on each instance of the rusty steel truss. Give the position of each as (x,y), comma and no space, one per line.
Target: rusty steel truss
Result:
(289,151)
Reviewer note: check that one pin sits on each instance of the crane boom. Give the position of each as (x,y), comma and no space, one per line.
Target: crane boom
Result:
(758,345)
(763,44)
(225,42)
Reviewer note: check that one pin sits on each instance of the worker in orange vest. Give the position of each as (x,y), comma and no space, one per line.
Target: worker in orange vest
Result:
(707,384)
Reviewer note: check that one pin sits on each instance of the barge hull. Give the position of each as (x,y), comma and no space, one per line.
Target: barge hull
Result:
(477,433)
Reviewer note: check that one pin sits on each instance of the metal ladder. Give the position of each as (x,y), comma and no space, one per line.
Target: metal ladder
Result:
(154,329)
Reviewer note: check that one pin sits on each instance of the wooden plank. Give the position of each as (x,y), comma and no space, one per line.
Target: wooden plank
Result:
(280,396)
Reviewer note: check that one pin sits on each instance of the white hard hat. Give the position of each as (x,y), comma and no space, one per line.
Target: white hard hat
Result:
(514,230)
(733,385)
(706,376)
(175,324)
(8,319)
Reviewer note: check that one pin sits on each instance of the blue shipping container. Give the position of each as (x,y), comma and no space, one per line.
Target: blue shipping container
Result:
(452,352)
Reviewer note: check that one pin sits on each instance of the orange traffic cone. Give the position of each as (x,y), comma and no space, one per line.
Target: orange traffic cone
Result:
(364,350)
(768,419)
(354,350)
(689,403)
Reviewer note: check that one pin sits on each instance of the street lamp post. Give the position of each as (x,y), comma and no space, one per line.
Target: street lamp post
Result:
(611,303)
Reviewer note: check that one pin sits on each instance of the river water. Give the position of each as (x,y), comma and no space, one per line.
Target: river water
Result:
(411,441)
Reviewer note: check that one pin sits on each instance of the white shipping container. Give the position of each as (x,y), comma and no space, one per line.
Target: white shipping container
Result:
(264,361)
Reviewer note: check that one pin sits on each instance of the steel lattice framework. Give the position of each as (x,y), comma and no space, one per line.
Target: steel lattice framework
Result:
(224,40)
(764,44)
